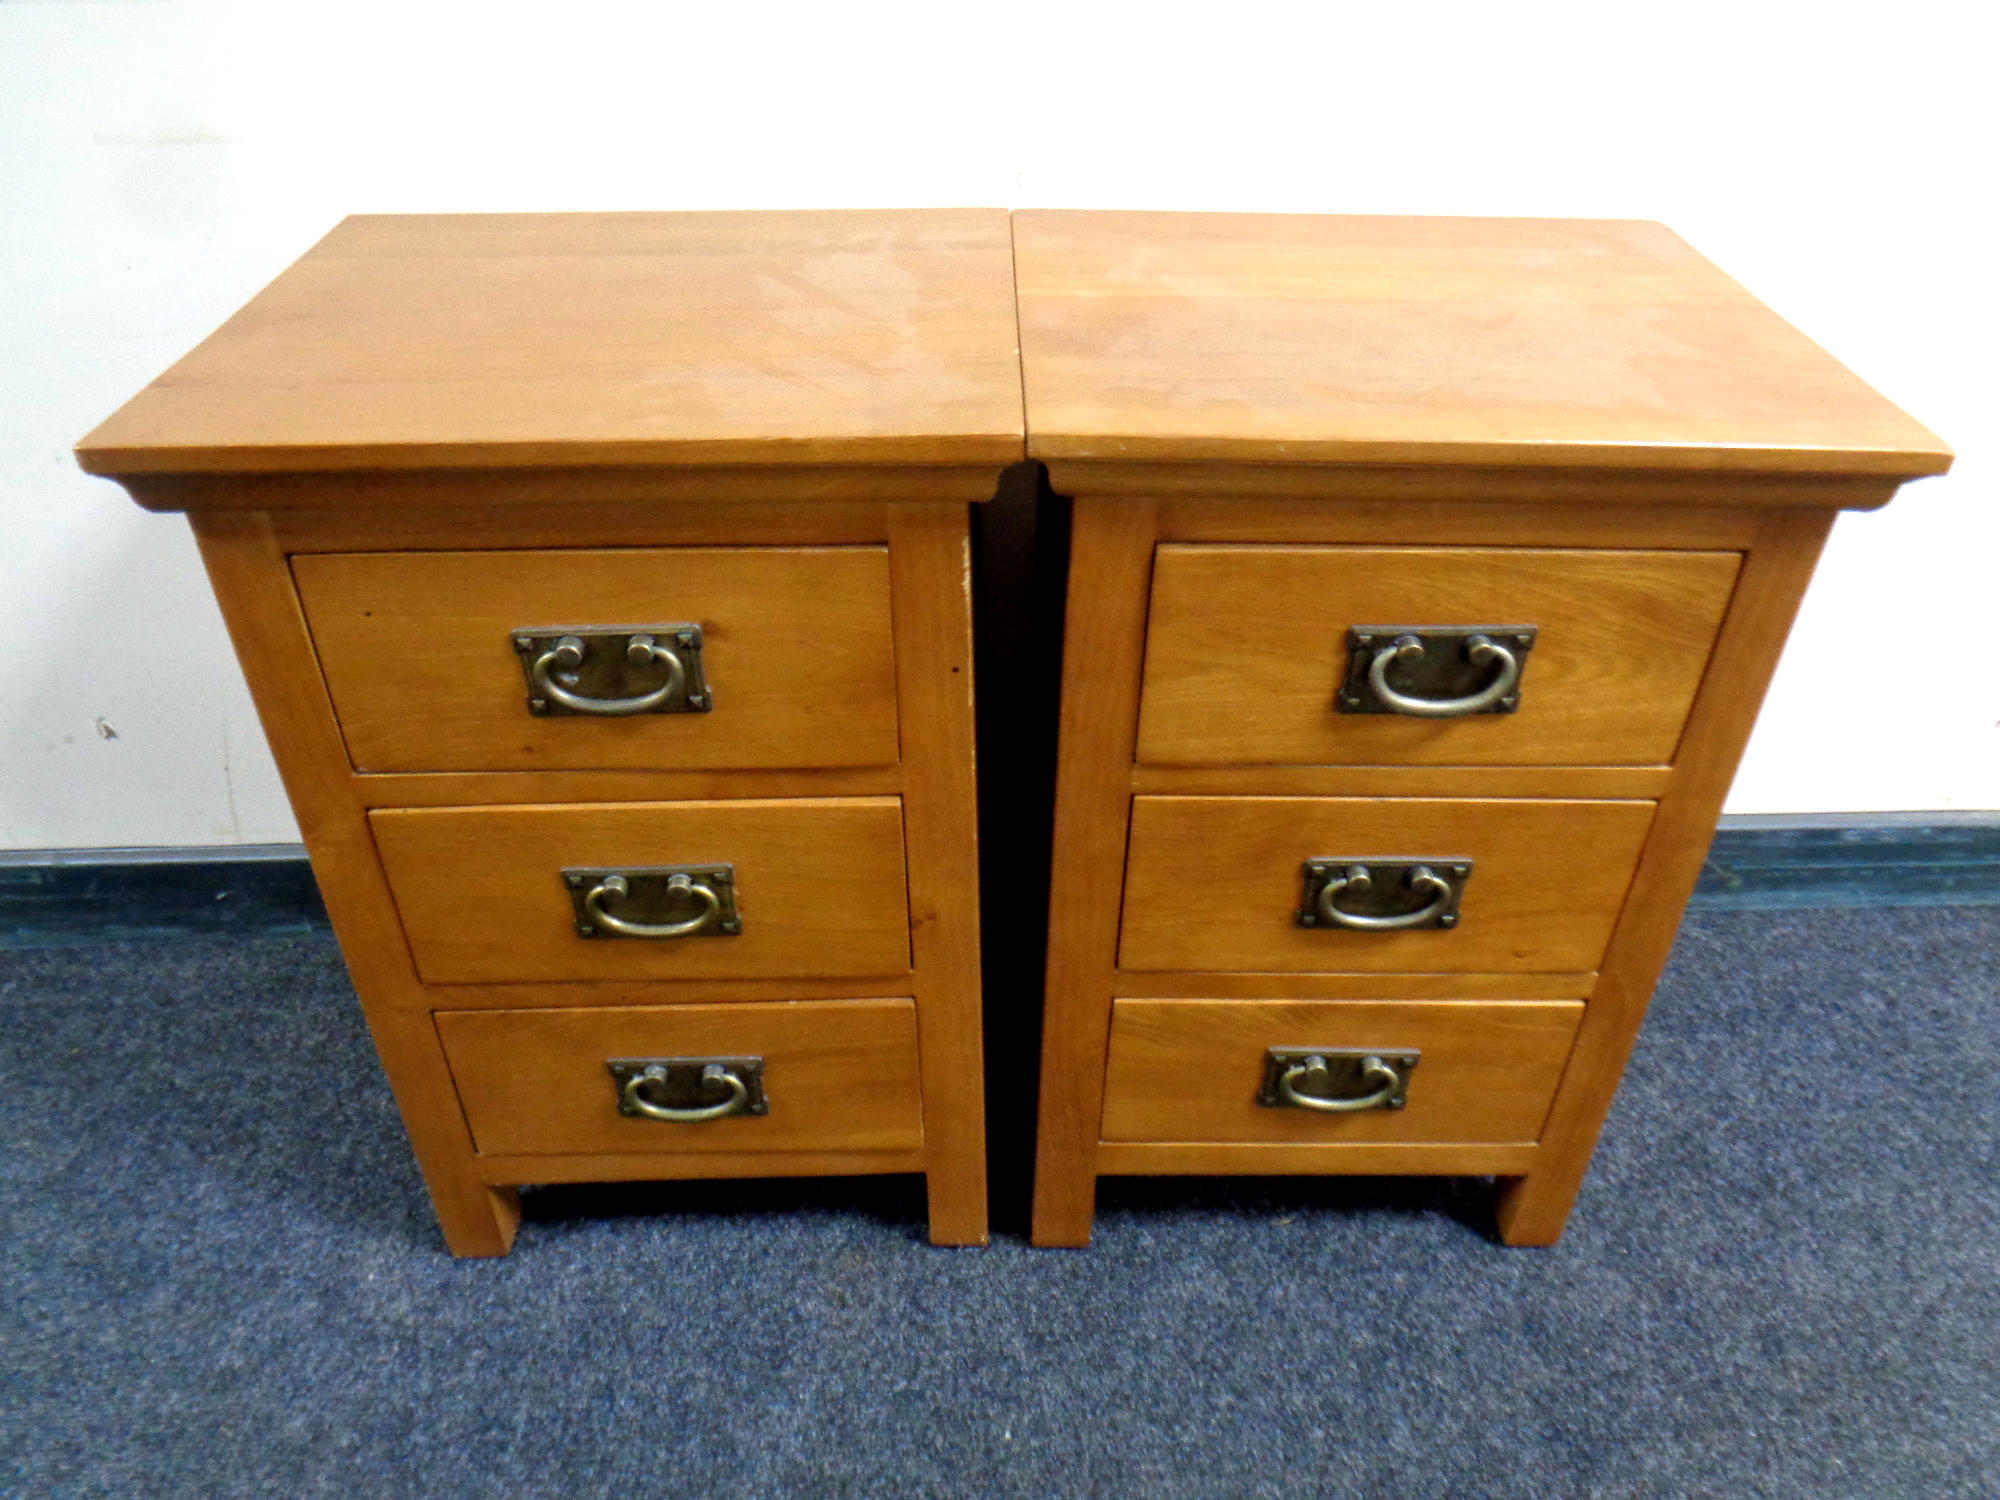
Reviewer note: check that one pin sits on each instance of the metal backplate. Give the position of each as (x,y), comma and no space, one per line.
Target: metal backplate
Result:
(1389,894)
(611,669)
(648,902)
(684,1088)
(1344,1066)
(1442,672)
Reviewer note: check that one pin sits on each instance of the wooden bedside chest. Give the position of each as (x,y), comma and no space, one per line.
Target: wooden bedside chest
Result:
(1426,576)
(601,580)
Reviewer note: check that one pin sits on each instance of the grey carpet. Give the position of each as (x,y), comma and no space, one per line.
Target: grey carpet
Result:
(222,1278)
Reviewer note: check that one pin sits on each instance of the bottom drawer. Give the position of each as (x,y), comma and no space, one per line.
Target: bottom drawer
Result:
(833,1075)
(1193,1070)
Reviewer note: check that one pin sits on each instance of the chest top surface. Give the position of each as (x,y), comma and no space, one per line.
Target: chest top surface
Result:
(521,340)
(1199,338)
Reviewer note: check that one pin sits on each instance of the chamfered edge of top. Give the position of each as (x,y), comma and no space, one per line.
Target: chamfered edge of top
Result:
(1880,463)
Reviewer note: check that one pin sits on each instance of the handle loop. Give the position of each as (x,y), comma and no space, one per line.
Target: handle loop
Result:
(1479,649)
(567,654)
(713,1073)
(1356,878)
(616,887)
(1314,1072)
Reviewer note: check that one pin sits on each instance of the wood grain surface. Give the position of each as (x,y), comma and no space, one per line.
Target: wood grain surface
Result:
(1305,339)
(1214,883)
(797,650)
(1189,1070)
(840,1075)
(931,561)
(1246,647)
(819,886)
(523,340)
(1327,1158)
(684,1166)
(1104,625)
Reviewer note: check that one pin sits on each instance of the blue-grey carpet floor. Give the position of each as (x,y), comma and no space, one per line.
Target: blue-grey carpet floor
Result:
(221,1276)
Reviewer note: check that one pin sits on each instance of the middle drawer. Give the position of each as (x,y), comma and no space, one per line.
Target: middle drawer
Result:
(497,894)
(1217,884)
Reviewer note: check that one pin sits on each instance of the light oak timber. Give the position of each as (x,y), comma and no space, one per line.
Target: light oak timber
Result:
(1613,782)
(1339,1159)
(429,525)
(455,788)
(478,341)
(1191,1069)
(1385,986)
(1214,883)
(820,888)
(253,587)
(931,562)
(497,497)
(499,383)
(417,652)
(1534,1208)
(1399,383)
(1620,504)
(612,993)
(838,1075)
(1246,646)
(525,1170)
(1255,519)
(1103,632)
(1302,339)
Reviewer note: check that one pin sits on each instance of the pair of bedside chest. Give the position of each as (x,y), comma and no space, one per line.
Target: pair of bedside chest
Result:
(603,583)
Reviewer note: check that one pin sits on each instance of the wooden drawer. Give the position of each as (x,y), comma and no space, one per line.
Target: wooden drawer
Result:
(417,653)
(1215,883)
(819,887)
(837,1075)
(1246,647)
(1191,1070)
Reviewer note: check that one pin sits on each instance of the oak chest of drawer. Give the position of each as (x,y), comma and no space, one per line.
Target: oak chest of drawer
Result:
(1422,593)
(626,709)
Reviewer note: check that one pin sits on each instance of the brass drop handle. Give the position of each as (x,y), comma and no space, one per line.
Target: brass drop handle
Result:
(635,1099)
(1356,878)
(1479,649)
(567,655)
(616,887)
(1314,1073)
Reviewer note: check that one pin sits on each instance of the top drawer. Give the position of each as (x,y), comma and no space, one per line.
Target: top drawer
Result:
(419,655)
(1246,648)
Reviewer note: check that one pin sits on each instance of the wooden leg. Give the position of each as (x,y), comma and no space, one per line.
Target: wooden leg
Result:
(253,585)
(957,1204)
(1111,557)
(929,563)
(481,1229)
(1534,1208)
(477,1219)
(1065,1202)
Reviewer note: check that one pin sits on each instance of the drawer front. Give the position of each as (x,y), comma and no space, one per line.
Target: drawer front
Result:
(1193,1070)
(1246,648)
(818,888)
(1216,884)
(835,1075)
(418,653)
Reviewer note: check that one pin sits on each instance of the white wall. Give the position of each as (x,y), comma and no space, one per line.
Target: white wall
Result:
(159,162)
